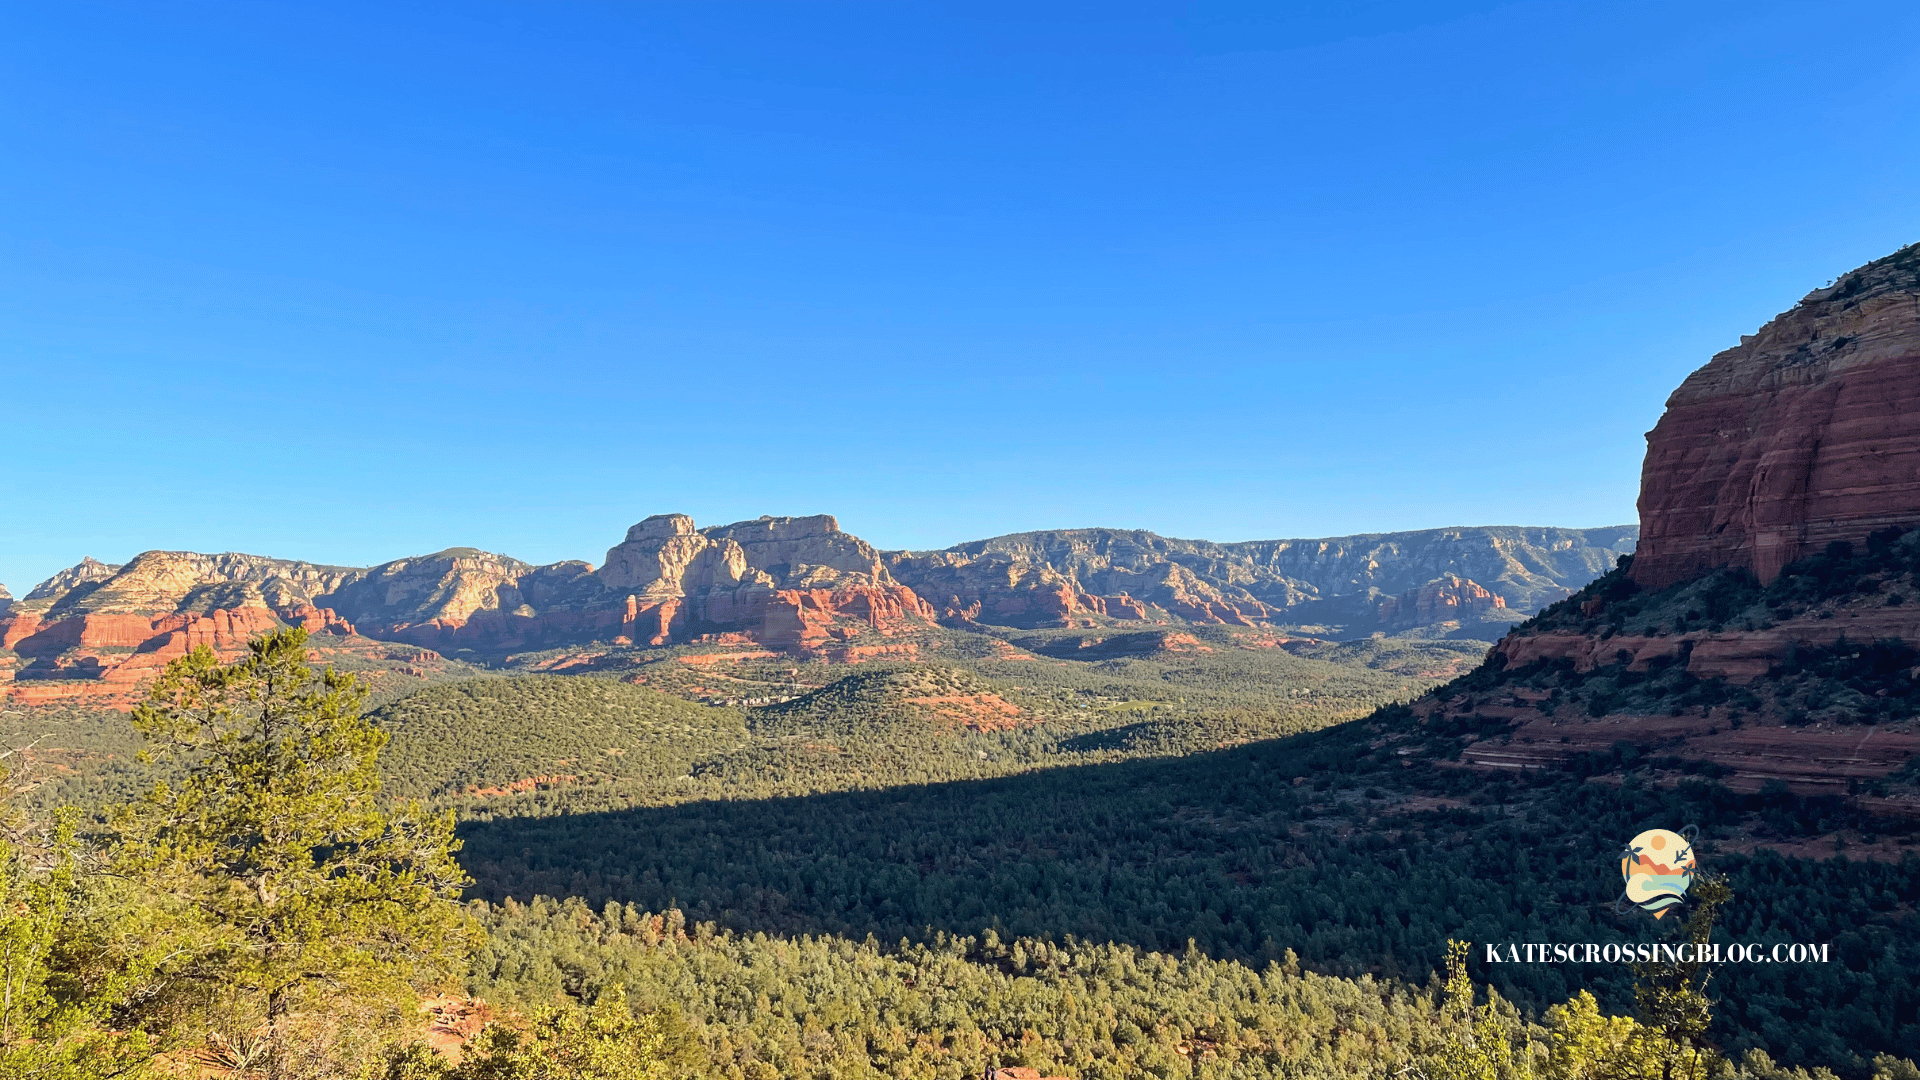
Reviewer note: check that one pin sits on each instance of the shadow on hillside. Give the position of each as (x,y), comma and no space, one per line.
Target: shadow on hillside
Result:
(1146,852)
(1319,843)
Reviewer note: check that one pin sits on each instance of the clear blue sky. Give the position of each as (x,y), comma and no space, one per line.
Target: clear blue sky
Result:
(347,282)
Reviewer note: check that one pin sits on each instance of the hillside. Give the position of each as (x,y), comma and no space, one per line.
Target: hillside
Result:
(490,737)
(797,586)
(1472,578)
(1774,708)
(1769,620)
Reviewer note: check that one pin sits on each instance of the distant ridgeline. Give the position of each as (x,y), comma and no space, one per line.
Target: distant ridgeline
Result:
(800,586)
(1753,672)
(1112,804)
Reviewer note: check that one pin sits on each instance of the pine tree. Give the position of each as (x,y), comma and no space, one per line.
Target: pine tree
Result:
(319,908)
(60,978)
(1671,997)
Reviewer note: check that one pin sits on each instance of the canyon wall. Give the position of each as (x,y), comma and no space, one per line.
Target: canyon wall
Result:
(1352,582)
(799,584)
(1794,456)
(1805,433)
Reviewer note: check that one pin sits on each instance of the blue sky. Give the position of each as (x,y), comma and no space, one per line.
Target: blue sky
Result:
(347,282)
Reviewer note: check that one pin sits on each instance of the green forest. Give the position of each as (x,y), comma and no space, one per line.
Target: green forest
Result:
(1097,855)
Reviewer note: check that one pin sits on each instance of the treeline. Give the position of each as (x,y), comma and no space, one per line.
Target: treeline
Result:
(269,911)
(1311,845)
(764,1006)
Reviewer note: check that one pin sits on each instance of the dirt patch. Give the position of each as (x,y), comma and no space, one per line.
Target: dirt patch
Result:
(858,654)
(529,783)
(975,712)
(453,1022)
(1818,759)
(705,660)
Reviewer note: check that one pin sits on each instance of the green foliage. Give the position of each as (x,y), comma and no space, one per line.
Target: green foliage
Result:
(450,740)
(315,907)
(1670,996)
(565,1042)
(1479,1043)
(762,1007)
(1258,850)
(65,965)
(606,1042)
(543,744)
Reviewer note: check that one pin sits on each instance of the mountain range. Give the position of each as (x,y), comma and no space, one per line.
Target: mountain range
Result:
(798,584)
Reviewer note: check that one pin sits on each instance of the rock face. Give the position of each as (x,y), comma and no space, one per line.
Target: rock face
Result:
(1804,440)
(86,570)
(1805,433)
(1056,577)
(789,583)
(1448,598)
(792,583)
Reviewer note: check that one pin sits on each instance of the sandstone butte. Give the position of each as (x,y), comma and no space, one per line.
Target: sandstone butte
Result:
(1445,599)
(797,584)
(1806,433)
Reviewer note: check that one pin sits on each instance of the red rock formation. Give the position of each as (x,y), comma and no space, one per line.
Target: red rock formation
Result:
(1805,433)
(789,583)
(996,588)
(795,583)
(1444,599)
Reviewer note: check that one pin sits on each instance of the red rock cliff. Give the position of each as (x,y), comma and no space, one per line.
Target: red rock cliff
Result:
(1445,598)
(1805,433)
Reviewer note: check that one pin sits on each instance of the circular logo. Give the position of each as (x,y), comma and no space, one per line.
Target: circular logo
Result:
(1658,866)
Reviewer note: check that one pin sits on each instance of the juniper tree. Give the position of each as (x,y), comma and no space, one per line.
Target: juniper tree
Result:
(69,956)
(320,907)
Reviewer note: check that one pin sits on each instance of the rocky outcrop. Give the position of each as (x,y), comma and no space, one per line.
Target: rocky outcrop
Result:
(160,605)
(798,584)
(1805,433)
(84,572)
(790,583)
(1059,577)
(6,599)
(1448,598)
(1002,590)
(1794,456)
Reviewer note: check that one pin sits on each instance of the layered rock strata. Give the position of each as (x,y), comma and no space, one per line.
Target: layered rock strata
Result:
(1804,440)
(1060,576)
(789,583)
(1805,433)
(1448,598)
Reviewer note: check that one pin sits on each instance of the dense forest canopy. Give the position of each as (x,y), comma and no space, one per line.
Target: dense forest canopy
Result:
(1086,830)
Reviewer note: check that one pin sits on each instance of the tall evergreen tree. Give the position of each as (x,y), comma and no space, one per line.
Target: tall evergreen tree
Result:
(64,969)
(320,908)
